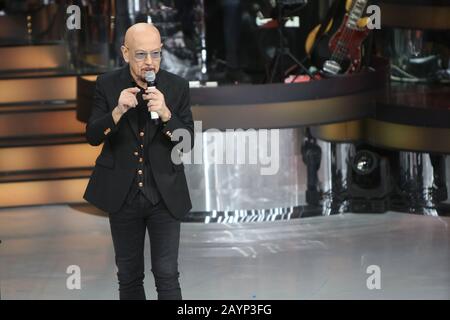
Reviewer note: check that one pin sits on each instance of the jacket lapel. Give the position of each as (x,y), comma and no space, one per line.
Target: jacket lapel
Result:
(131,115)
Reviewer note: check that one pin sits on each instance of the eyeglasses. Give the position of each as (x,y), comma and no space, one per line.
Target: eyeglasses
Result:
(142,55)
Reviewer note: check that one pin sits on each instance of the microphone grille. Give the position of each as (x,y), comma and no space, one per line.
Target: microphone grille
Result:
(150,76)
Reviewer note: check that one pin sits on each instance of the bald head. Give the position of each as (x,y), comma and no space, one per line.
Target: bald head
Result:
(141,32)
(142,40)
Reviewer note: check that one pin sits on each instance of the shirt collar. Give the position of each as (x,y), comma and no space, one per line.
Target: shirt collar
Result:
(130,78)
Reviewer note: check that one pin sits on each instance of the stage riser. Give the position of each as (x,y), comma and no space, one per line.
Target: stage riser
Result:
(42,192)
(37,89)
(47,157)
(26,124)
(33,57)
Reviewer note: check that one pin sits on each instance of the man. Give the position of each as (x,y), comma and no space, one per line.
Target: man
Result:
(135,179)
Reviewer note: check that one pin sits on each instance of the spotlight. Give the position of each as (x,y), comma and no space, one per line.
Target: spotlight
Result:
(365,162)
(369,182)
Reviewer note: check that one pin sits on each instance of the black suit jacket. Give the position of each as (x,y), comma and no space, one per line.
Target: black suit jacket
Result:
(116,166)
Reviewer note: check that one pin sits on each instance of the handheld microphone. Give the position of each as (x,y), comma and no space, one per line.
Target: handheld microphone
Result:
(150,78)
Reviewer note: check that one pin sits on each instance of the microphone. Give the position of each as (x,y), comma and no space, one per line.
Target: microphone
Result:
(150,78)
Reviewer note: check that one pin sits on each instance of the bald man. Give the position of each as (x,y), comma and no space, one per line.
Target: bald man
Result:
(134,179)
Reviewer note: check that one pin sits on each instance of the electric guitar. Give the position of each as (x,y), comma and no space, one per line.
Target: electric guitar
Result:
(341,53)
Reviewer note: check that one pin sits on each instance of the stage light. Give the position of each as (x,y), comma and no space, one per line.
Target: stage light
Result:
(369,182)
(365,162)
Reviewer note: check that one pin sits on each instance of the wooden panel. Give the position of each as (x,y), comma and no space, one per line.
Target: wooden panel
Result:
(48,157)
(37,89)
(40,123)
(33,57)
(42,192)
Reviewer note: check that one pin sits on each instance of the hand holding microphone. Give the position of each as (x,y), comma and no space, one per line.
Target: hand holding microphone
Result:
(156,102)
(150,78)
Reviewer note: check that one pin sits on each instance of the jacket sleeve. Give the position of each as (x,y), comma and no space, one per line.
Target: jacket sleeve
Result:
(101,123)
(182,119)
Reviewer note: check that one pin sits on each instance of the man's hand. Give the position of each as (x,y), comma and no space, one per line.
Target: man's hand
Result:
(127,100)
(157,103)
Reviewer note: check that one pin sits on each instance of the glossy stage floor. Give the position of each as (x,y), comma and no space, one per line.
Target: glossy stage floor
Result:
(327,257)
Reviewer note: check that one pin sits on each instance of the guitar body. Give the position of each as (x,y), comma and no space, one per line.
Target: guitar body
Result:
(337,49)
(345,45)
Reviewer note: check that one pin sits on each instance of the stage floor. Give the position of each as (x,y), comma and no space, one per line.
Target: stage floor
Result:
(311,258)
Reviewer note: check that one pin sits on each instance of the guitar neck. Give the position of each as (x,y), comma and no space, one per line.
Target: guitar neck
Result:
(356,13)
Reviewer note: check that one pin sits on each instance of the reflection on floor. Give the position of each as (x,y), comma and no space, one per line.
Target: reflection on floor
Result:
(314,258)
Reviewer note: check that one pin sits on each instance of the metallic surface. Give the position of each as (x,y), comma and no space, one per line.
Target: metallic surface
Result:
(332,176)
(234,186)
(421,181)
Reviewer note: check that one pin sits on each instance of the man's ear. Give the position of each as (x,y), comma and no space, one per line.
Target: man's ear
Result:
(125,53)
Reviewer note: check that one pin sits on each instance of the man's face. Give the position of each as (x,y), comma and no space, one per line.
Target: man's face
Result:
(143,53)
